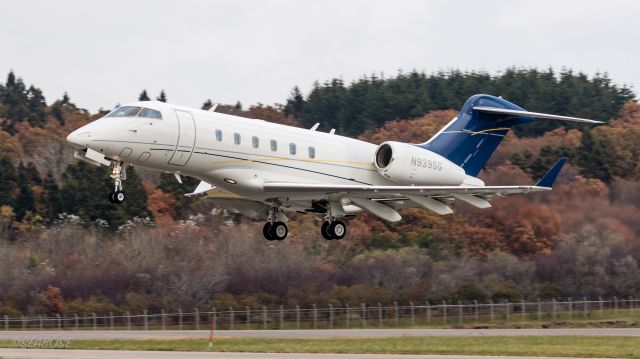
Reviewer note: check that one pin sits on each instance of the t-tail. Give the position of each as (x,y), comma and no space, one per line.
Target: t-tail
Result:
(473,135)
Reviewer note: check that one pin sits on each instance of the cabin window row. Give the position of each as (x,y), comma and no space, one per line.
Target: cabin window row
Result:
(255,142)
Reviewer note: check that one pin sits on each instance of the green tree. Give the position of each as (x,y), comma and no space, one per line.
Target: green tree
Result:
(372,100)
(36,106)
(50,199)
(162,97)
(207,104)
(295,104)
(143,96)
(25,200)
(8,181)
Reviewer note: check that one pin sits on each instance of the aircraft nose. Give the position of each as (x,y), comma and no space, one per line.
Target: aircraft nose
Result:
(78,138)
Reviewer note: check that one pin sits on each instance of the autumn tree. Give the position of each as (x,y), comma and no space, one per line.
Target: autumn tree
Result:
(52,300)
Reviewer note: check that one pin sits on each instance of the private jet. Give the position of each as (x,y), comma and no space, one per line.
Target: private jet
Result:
(262,169)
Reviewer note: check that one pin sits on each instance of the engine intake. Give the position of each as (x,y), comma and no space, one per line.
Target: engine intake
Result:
(384,155)
(411,165)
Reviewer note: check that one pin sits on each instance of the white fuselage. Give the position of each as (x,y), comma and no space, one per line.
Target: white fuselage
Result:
(187,141)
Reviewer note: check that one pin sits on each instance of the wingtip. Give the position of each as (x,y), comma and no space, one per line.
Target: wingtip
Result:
(550,177)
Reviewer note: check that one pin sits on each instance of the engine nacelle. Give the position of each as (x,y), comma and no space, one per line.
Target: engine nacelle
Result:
(411,165)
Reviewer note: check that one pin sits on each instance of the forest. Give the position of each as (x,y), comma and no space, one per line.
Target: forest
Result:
(65,249)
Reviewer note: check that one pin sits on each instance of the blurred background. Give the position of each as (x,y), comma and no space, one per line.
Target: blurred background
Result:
(373,70)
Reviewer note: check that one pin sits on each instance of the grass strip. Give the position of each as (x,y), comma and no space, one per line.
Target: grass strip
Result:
(566,346)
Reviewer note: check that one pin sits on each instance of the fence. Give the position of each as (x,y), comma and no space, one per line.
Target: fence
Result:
(451,314)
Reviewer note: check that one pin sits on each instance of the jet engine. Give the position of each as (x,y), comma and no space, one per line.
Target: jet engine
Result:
(407,164)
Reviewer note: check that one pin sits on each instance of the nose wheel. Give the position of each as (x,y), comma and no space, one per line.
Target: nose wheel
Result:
(116,197)
(333,230)
(118,174)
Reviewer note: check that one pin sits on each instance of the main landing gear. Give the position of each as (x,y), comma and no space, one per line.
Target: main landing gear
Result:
(333,230)
(118,174)
(274,230)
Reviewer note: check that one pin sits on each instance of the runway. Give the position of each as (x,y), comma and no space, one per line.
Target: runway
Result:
(109,354)
(310,333)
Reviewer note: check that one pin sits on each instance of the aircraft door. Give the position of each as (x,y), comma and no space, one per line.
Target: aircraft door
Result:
(186,139)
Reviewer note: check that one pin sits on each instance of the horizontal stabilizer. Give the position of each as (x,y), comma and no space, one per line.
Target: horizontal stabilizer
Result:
(506,111)
(550,177)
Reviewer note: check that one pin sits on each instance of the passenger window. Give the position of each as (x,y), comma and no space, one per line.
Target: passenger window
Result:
(312,152)
(148,113)
(236,138)
(255,141)
(218,135)
(274,145)
(292,148)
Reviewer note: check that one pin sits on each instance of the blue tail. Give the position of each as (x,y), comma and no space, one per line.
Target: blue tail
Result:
(472,137)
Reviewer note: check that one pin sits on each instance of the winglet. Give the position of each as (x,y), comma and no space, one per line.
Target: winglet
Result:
(551,175)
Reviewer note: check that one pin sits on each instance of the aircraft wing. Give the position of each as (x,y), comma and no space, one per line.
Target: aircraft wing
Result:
(381,200)
(375,191)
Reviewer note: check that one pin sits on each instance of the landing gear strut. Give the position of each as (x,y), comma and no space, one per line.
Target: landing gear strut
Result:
(274,230)
(119,174)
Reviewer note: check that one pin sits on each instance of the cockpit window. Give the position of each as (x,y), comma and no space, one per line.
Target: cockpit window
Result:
(149,113)
(124,111)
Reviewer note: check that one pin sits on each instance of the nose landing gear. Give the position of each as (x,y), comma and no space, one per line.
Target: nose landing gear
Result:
(119,174)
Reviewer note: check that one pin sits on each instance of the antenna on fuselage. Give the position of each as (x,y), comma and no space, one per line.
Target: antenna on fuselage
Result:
(213,108)
(333,131)
(314,127)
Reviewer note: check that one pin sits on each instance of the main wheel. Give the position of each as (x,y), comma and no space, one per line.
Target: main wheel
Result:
(337,229)
(278,230)
(325,231)
(266,231)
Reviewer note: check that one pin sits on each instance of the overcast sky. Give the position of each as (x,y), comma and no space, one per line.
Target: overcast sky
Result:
(106,52)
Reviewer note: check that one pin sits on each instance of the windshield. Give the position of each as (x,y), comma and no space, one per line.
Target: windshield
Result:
(124,111)
(149,113)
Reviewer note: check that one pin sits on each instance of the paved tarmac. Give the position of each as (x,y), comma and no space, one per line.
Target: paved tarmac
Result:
(125,354)
(309,333)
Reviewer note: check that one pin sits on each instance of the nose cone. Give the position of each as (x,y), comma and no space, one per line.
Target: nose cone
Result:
(78,138)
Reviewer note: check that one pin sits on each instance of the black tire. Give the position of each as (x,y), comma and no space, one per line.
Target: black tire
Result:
(111,198)
(266,231)
(118,196)
(337,229)
(325,231)
(278,231)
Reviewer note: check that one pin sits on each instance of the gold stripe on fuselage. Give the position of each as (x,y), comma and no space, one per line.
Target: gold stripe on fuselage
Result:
(369,164)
